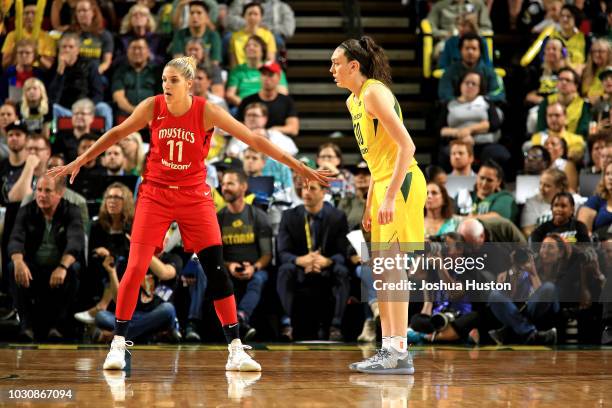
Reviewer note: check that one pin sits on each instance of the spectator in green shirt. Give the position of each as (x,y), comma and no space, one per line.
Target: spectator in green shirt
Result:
(245,79)
(136,80)
(198,27)
(490,199)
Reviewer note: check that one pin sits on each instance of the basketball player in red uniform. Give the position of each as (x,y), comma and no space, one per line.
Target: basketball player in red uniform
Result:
(174,189)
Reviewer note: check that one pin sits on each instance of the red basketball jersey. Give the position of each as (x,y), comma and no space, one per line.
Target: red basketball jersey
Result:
(179,145)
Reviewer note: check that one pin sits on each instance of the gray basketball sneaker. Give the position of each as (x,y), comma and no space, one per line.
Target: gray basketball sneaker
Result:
(389,362)
(375,356)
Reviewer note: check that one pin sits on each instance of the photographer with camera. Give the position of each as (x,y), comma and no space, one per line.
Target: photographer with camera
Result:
(531,301)
(446,315)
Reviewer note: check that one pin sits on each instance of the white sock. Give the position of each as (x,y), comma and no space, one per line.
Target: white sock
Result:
(399,343)
(386,342)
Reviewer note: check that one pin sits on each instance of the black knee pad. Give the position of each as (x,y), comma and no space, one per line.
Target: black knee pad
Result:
(219,283)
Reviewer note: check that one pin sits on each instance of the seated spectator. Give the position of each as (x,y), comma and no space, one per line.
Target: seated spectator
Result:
(62,13)
(245,79)
(256,119)
(600,57)
(252,14)
(314,253)
(180,13)
(595,213)
(537,159)
(133,148)
(542,78)
(8,115)
(34,107)
(537,208)
(140,23)
(108,238)
(598,143)
(473,119)
(44,45)
(443,16)
(489,199)
(199,28)
(466,23)
(492,86)
(13,78)
(45,260)
(577,109)
(247,246)
(575,41)
(257,164)
(92,167)
(602,105)
(436,174)
(282,115)
(203,85)
(563,222)
(40,146)
(39,152)
(137,80)
(11,169)
(114,161)
(540,297)
(424,326)
(195,49)
(77,78)
(278,17)
(439,211)
(353,204)
(606,295)
(154,313)
(557,148)
(556,125)
(461,158)
(329,157)
(552,15)
(66,141)
(96,42)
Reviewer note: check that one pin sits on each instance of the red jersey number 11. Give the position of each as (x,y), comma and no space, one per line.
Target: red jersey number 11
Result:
(179,147)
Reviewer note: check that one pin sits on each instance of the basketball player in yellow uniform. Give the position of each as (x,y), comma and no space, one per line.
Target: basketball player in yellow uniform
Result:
(396,198)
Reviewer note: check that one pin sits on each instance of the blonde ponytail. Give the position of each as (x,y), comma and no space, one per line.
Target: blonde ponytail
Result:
(185,65)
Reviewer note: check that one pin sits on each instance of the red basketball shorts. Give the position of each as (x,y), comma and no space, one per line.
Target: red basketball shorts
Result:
(193,209)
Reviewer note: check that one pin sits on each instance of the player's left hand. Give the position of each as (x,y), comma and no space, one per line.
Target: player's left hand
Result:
(322,177)
(385,212)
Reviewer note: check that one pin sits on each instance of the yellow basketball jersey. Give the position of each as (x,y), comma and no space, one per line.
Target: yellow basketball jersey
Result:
(378,149)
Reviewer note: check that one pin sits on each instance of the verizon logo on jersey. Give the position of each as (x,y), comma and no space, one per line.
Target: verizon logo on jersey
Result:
(175,166)
(176,133)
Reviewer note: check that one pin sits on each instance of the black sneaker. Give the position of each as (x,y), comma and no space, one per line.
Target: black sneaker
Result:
(191,333)
(287,334)
(335,334)
(498,336)
(606,335)
(54,335)
(544,337)
(26,335)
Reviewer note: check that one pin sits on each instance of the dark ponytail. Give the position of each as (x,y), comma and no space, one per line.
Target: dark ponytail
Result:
(373,62)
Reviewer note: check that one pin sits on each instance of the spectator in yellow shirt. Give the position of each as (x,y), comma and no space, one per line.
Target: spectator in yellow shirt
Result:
(253,14)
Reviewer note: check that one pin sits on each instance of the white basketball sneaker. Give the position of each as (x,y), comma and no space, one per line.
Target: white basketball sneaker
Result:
(115,359)
(238,359)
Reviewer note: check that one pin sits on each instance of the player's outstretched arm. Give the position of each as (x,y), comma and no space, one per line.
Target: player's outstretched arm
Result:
(137,120)
(216,116)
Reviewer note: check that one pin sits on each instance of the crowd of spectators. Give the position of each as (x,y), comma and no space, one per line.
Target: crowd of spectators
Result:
(64,248)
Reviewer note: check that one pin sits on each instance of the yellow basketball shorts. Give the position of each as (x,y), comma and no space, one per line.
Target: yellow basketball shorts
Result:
(408,225)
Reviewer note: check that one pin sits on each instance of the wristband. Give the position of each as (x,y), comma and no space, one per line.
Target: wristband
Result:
(64,267)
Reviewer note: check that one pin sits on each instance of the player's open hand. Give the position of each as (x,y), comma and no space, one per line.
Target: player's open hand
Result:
(322,177)
(71,169)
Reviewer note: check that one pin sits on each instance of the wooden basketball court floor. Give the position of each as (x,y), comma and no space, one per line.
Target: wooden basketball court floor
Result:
(305,375)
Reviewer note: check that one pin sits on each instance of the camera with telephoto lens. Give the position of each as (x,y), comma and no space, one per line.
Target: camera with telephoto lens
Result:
(442,319)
